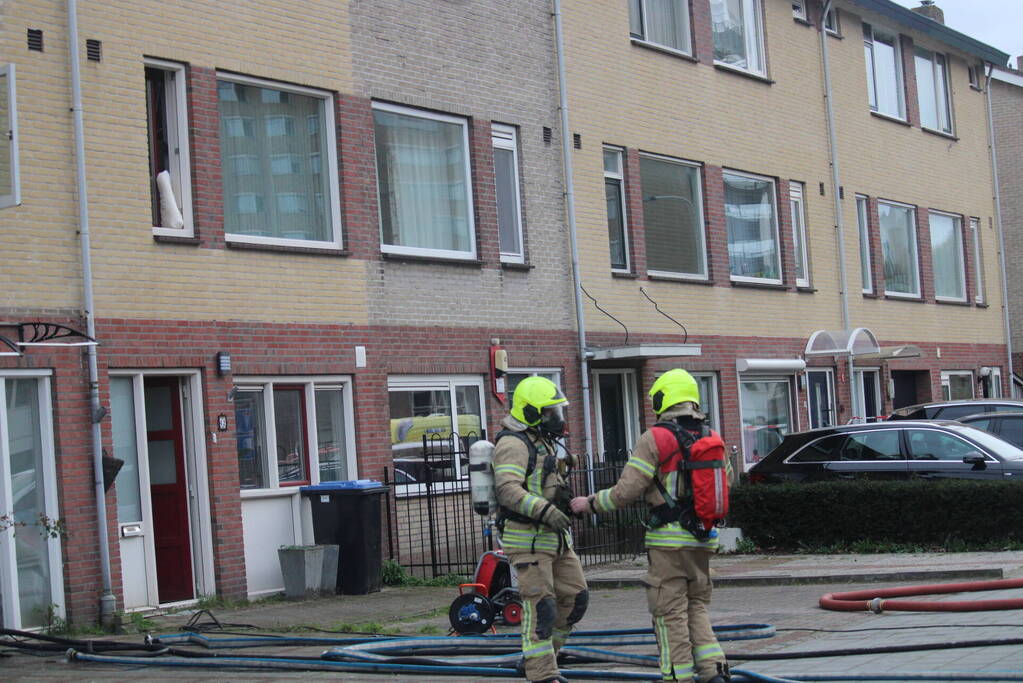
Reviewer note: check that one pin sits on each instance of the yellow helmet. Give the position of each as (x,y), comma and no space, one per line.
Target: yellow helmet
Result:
(673,387)
(531,396)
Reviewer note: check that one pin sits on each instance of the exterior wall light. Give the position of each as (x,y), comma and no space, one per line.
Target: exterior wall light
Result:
(223,363)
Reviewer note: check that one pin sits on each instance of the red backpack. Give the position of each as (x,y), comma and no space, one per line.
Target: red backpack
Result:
(700,461)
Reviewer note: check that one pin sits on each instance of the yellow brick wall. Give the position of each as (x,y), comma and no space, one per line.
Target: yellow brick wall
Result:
(305,43)
(627,95)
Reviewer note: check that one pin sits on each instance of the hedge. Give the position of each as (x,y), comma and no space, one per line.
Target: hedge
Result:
(794,515)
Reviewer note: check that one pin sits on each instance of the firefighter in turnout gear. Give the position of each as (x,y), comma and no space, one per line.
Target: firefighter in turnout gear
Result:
(533,517)
(678,584)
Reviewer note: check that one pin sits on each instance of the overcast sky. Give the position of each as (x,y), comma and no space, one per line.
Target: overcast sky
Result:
(999,23)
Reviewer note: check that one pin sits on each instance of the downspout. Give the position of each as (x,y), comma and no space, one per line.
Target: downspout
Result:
(835,185)
(580,319)
(107,602)
(1001,232)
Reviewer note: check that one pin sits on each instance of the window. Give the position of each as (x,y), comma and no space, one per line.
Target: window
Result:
(867,385)
(956,385)
(930,444)
(799,248)
(614,194)
(274,191)
(708,383)
(752,220)
(766,412)
(434,408)
(423,178)
(506,179)
(978,261)
(831,22)
(738,39)
(947,255)
(898,247)
(661,22)
(864,230)
(280,423)
(673,217)
(799,9)
(975,72)
(932,90)
(884,72)
(10,185)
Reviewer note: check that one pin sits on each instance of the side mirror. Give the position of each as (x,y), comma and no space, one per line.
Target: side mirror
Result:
(978,461)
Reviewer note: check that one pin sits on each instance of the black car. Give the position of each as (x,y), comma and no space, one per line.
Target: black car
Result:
(953,410)
(1009,426)
(904,449)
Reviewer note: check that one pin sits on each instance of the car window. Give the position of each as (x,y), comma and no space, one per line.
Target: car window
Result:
(957,411)
(930,444)
(1004,408)
(994,444)
(880,445)
(821,450)
(986,423)
(1012,430)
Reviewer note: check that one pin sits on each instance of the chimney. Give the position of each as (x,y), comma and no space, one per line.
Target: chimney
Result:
(930,10)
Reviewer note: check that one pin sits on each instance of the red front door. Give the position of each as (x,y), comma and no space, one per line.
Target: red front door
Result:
(168,489)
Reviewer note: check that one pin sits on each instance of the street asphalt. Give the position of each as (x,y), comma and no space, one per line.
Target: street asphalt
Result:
(781,590)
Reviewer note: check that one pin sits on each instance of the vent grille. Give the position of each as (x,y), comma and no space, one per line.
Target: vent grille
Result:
(547,135)
(822,189)
(94,49)
(577,140)
(35,39)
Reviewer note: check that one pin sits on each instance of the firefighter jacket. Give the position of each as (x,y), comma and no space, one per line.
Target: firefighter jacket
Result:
(527,495)
(637,481)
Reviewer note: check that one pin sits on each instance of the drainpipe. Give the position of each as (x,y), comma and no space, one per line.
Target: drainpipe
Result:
(1001,232)
(580,319)
(107,602)
(835,185)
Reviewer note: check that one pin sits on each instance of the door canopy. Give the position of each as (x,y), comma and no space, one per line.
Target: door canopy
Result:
(853,342)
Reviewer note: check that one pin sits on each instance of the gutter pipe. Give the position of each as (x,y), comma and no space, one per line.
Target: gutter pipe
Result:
(1001,230)
(107,601)
(580,318)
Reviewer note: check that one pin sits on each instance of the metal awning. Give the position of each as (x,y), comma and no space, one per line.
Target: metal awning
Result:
(893,353)
(638,351)
(855,342)
(28,334)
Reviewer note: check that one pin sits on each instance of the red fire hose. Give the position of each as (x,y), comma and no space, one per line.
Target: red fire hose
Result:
(877,600)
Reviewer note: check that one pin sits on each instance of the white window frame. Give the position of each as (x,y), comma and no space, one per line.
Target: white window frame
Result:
(9,590)
(309,386)
(957,222)
(176,99)
(752,18)
(470,207)
(943,105)
(777,228)
(642,38)
(863,227)
(438,383)
(946,384)
(834,29)
(14,198)
(699,223)
(799,231)
(994,380)
(799,9)
(916,251)
(507,138)
(330,138)
(859,387)
(790,378)
(872,74)
(620,177)
(979,295)
(630,404)
(709,406)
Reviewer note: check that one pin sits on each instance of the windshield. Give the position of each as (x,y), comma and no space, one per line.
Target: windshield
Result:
(996,445)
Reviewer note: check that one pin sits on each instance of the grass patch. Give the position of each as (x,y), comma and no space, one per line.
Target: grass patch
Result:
(393,574)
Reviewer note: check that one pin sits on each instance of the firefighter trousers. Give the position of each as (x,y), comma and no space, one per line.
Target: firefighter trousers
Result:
(554,598)
(678,590)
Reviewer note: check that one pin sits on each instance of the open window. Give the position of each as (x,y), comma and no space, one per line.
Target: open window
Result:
(169,171)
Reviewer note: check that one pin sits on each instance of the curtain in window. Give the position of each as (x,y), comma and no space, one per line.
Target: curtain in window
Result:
(272,148)
(615,222)
(671,217)
(752,237)
(933,96)
(424,193)
(507,201)
(886,75)
(947,253)
(667,23)
(898,243)
(729,29)
(766,415)
(6,145)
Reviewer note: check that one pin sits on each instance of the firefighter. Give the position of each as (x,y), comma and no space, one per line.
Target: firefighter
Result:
(533,517)
(678,583)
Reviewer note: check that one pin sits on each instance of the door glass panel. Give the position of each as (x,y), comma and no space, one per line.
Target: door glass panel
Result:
(927,444)
(819,390)
(766,416)
(330,434)
(159,411)
(613,425)
(870,393)
(25,444)
(122,419)
(289,419)
(162,464)
(251,439)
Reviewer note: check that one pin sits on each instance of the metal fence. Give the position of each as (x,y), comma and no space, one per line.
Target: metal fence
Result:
(432,529)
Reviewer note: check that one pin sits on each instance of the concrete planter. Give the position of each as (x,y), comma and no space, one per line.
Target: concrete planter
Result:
(331,557)
(302,569)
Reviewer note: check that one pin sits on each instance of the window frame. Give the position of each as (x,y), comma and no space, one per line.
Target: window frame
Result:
(799,9)
(777,228)
(916,250)
(710,407)
(957,227)
(470,208)
(506,137)
(938,77)
(836,28)
(801,254)
(619,178)
(177,121)
(329,131)
(900,78)
(642,38)
(946,383)
(310,385)
(14,198)
(863,227)
(789,378)
(979,295)
(752,16)
(699,220)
